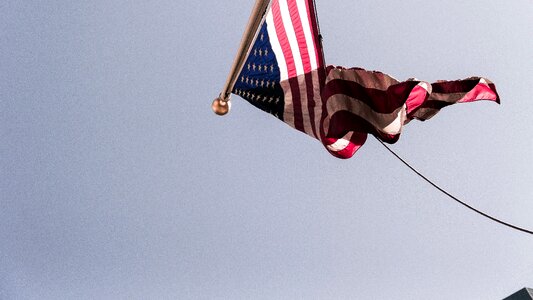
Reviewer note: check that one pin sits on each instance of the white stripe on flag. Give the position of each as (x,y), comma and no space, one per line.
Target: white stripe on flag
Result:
(313,59)
(288,115)
(276,46)
(296,54)
(291,35)
(302,9)
(341,143)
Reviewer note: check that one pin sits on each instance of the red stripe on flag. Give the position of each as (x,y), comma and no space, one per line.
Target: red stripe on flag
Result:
(319,56)
(291,66)
(283,39)
(300,36)
(306,63)
(381,101)
(311,102)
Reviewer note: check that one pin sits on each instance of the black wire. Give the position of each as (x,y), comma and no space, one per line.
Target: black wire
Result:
(451,196)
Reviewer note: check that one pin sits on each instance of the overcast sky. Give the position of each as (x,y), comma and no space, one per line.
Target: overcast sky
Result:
(118,182)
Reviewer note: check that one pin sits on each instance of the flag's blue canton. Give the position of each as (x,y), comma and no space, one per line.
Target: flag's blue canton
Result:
(259,80)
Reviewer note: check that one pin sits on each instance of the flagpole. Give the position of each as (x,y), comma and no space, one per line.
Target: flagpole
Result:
(222,104)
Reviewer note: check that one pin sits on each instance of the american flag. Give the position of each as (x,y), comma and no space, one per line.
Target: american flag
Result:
(285,75)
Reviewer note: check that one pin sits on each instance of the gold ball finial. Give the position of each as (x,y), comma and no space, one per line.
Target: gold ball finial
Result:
(221,107)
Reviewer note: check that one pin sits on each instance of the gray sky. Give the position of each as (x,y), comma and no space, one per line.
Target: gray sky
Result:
(118,182)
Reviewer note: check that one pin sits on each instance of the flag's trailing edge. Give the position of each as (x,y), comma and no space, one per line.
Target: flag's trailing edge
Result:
(359,102)
(284,74)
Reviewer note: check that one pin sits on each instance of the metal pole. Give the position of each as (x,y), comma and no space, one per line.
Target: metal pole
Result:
(221,105)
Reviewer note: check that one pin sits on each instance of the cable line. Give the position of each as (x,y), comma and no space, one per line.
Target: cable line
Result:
(453,197)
